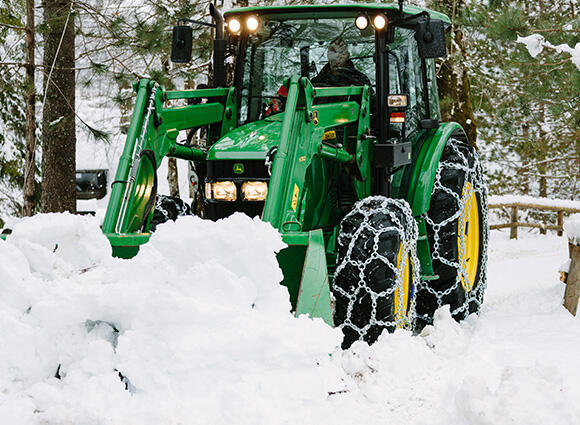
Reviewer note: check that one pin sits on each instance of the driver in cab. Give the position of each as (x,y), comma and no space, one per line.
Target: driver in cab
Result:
(338,72)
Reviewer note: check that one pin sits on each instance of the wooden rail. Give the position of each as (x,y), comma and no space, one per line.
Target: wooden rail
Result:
(514,223)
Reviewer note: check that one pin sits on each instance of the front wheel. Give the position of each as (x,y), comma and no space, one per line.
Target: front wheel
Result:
(457,230)
(377,270)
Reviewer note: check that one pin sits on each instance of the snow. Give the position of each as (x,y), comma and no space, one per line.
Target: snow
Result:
(200,330)
(523,199)
(572,228)
(565,267)
(535,43)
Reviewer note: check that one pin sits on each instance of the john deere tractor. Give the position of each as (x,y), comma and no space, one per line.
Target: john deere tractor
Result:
(329,129)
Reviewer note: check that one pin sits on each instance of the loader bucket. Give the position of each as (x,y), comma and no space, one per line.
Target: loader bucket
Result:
(306,275)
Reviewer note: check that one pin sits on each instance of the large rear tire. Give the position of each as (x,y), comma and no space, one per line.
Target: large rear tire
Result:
(457,230)
(377,270)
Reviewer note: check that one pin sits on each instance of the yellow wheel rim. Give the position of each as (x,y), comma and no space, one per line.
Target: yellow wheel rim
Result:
(403,276)
(468,237)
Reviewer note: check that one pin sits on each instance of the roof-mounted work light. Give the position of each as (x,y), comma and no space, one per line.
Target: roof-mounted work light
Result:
(380,21)
(234,25)
(361,22)
(252,23)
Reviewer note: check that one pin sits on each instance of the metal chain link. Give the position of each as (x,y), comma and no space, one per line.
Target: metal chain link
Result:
(407,231)
(474,183)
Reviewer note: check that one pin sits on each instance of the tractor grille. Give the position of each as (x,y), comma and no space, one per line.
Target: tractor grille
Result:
(220,170)
(237,172)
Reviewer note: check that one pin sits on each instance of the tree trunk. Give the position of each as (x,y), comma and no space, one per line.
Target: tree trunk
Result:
(172,172)
(525,178)
(452,77)
(125,106)
(172,177)
(29,158)
(58,115)
(542,167)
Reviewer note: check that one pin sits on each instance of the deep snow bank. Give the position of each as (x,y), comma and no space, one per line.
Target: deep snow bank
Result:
(200,332)
(196,324)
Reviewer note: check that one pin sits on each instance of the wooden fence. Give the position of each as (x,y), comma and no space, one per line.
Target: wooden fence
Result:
(514,222)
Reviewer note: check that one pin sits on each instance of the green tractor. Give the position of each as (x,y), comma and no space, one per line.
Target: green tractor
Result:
(329,129)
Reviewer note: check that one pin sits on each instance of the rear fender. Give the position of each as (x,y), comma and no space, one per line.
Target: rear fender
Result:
(421,185)
(425,166)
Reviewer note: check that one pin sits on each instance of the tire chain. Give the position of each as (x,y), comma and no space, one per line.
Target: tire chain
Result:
(473,175)
(407,230)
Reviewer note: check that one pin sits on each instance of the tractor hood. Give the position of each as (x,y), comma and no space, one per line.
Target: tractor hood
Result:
(250,141)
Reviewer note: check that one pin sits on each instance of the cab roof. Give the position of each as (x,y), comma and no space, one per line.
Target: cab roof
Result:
(329,10)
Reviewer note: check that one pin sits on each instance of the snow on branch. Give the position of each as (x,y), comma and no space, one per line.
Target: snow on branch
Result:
(535,43)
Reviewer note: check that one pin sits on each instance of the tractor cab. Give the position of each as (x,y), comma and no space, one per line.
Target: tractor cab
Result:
(338,48)
(387,49)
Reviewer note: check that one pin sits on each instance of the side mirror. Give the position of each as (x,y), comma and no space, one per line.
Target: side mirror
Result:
(181,44)
(430,36)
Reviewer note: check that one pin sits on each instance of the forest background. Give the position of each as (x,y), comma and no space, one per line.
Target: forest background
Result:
(523,111)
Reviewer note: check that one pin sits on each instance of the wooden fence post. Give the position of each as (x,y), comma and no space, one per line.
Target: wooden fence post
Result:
(572,292)
(560,223)
(514,223)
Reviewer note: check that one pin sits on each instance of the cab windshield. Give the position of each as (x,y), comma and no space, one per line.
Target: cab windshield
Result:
(282,48)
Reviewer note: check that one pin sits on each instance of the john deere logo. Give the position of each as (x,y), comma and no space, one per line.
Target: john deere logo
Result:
(239,168)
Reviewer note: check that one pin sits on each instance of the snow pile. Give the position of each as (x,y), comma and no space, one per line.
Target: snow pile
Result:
(195,327)
(514,364)
(572,228)
(196,330)
(535,43)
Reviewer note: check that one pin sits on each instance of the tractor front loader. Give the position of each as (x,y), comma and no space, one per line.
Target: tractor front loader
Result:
(382,206)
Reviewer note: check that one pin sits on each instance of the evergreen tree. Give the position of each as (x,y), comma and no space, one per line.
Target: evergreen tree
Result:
(452,72)
(12,111)
(528,109)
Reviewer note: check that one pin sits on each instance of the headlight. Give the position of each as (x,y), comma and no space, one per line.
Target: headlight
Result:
(221,191)
(397,100)
(255,191)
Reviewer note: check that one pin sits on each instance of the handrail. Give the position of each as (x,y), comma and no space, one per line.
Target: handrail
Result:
(558,206)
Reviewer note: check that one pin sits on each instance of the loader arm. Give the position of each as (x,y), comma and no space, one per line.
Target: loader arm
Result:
(305,123)
(301,140)
(151,136)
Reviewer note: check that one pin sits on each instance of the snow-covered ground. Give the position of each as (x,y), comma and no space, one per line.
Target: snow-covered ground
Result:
(197,330)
